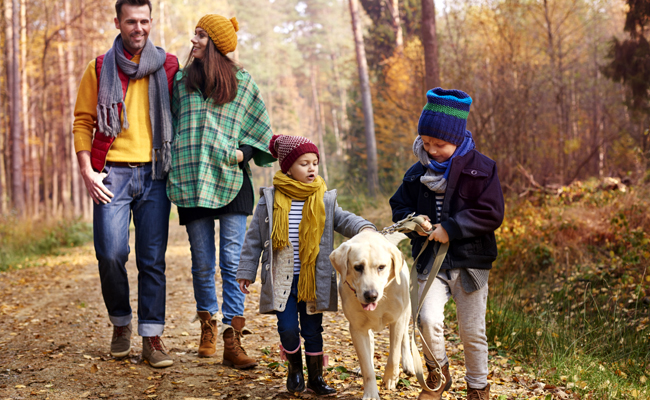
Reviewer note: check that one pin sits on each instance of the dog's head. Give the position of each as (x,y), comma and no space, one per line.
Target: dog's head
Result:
(368,262)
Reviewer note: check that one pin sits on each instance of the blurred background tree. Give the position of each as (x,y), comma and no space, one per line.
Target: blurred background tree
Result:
(543,108)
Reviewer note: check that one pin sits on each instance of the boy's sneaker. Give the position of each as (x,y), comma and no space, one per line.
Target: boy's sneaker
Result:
(153,350)
(121,342)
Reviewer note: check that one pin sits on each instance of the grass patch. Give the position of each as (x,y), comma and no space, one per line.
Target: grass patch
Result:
(22,242)
(570,291)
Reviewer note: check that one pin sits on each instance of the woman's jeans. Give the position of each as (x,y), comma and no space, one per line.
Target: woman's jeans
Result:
(232,230)
(135,193)
(310,327)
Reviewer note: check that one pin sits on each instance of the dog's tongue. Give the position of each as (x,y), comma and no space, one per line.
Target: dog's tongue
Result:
(370,306)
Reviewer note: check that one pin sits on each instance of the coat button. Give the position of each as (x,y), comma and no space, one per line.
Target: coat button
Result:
(266,244)
(474,172)
(267,267)
(426,272)
(426,194)
(266,220)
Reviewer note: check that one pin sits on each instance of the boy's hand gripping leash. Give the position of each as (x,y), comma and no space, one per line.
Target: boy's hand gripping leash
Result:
(414,223)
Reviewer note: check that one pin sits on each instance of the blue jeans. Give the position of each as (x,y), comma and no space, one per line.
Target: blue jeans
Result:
(289,329)
(232,230)
(138,195)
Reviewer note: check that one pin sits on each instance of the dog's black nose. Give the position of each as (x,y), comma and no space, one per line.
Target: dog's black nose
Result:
(370,296)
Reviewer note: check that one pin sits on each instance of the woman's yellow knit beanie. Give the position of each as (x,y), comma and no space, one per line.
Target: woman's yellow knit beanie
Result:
(221,31)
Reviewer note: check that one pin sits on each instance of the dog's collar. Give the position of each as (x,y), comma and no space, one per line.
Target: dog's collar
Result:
(350,286)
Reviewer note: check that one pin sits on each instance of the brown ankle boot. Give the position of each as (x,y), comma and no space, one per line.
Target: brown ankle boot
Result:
(208,342)
(234,354)
(433,380)
(478,394)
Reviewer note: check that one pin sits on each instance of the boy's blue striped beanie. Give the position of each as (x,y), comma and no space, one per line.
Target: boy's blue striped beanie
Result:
(445,115)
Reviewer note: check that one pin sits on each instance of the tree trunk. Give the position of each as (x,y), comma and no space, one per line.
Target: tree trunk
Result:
(30,207)
(558,85)
(343,99)
(18,192)
(6,107)
(63,141)
(71,86)
(430,44)
(393,7)
(366,100)
(319,123)
(161,24)
(337,134)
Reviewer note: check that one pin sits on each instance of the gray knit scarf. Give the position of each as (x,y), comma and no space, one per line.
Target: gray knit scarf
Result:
(110,95)
(434,181)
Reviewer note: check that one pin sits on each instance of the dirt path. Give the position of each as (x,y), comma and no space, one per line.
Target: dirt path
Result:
(55,335)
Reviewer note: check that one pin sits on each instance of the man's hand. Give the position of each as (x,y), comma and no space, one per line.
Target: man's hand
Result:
(93,180)
(243,285)
(439,234)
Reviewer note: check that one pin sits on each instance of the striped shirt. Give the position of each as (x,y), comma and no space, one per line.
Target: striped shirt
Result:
(295,216)
(439,199)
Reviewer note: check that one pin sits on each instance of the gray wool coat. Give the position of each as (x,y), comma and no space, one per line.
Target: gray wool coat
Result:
(277,266)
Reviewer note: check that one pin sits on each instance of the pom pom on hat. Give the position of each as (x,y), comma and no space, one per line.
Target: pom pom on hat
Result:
(287,149)
(221,30)
(445,115)
(235,23)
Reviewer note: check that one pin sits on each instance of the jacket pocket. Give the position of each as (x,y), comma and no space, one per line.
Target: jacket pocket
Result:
(469,247)
(266,267)
(472,183)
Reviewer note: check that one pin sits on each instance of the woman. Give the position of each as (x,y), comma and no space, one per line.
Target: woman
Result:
(220,124)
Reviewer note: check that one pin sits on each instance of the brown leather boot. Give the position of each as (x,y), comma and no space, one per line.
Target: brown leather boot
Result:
(234,354)
(208,341)
(433,380)
(479,394)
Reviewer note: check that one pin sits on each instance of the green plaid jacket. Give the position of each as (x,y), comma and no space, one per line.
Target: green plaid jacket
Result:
(204,171)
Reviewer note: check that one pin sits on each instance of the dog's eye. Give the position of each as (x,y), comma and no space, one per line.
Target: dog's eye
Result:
(381,267)
(358,268)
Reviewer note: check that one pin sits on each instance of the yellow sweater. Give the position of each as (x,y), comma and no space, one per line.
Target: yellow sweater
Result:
(131,145)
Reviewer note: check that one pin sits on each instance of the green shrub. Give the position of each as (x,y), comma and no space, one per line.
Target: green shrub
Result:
(21,242)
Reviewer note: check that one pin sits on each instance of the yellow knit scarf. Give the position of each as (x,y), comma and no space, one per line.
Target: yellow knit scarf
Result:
(310,229)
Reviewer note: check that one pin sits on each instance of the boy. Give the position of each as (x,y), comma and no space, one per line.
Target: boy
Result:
(457,188)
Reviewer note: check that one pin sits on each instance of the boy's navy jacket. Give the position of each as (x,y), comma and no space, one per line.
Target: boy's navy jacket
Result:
(472,210)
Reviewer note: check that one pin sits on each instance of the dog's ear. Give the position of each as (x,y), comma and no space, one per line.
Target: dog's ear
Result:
(339,259)
(398,261)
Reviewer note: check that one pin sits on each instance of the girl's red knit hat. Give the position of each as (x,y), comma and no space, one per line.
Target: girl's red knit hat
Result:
(287,149)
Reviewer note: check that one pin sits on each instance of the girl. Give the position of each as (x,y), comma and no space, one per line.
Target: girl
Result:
(292,229)
(220,123)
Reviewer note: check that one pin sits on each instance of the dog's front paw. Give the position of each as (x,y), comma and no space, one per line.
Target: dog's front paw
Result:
(408,367)
(390,380)
(371,396)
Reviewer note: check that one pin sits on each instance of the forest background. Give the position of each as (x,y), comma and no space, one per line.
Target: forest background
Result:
(559,102)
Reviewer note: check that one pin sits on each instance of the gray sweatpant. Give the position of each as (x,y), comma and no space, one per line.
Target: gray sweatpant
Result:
(470,311)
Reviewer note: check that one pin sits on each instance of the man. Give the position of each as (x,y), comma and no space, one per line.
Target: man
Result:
(124,99)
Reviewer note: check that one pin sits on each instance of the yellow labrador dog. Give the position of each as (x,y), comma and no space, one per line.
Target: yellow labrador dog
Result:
(374,289)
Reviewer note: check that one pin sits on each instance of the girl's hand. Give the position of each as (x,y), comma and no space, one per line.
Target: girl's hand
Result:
(240,155)
(439,234)
(426,225)
(243,285)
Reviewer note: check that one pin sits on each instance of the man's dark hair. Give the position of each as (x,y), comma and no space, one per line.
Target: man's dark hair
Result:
(120,3)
